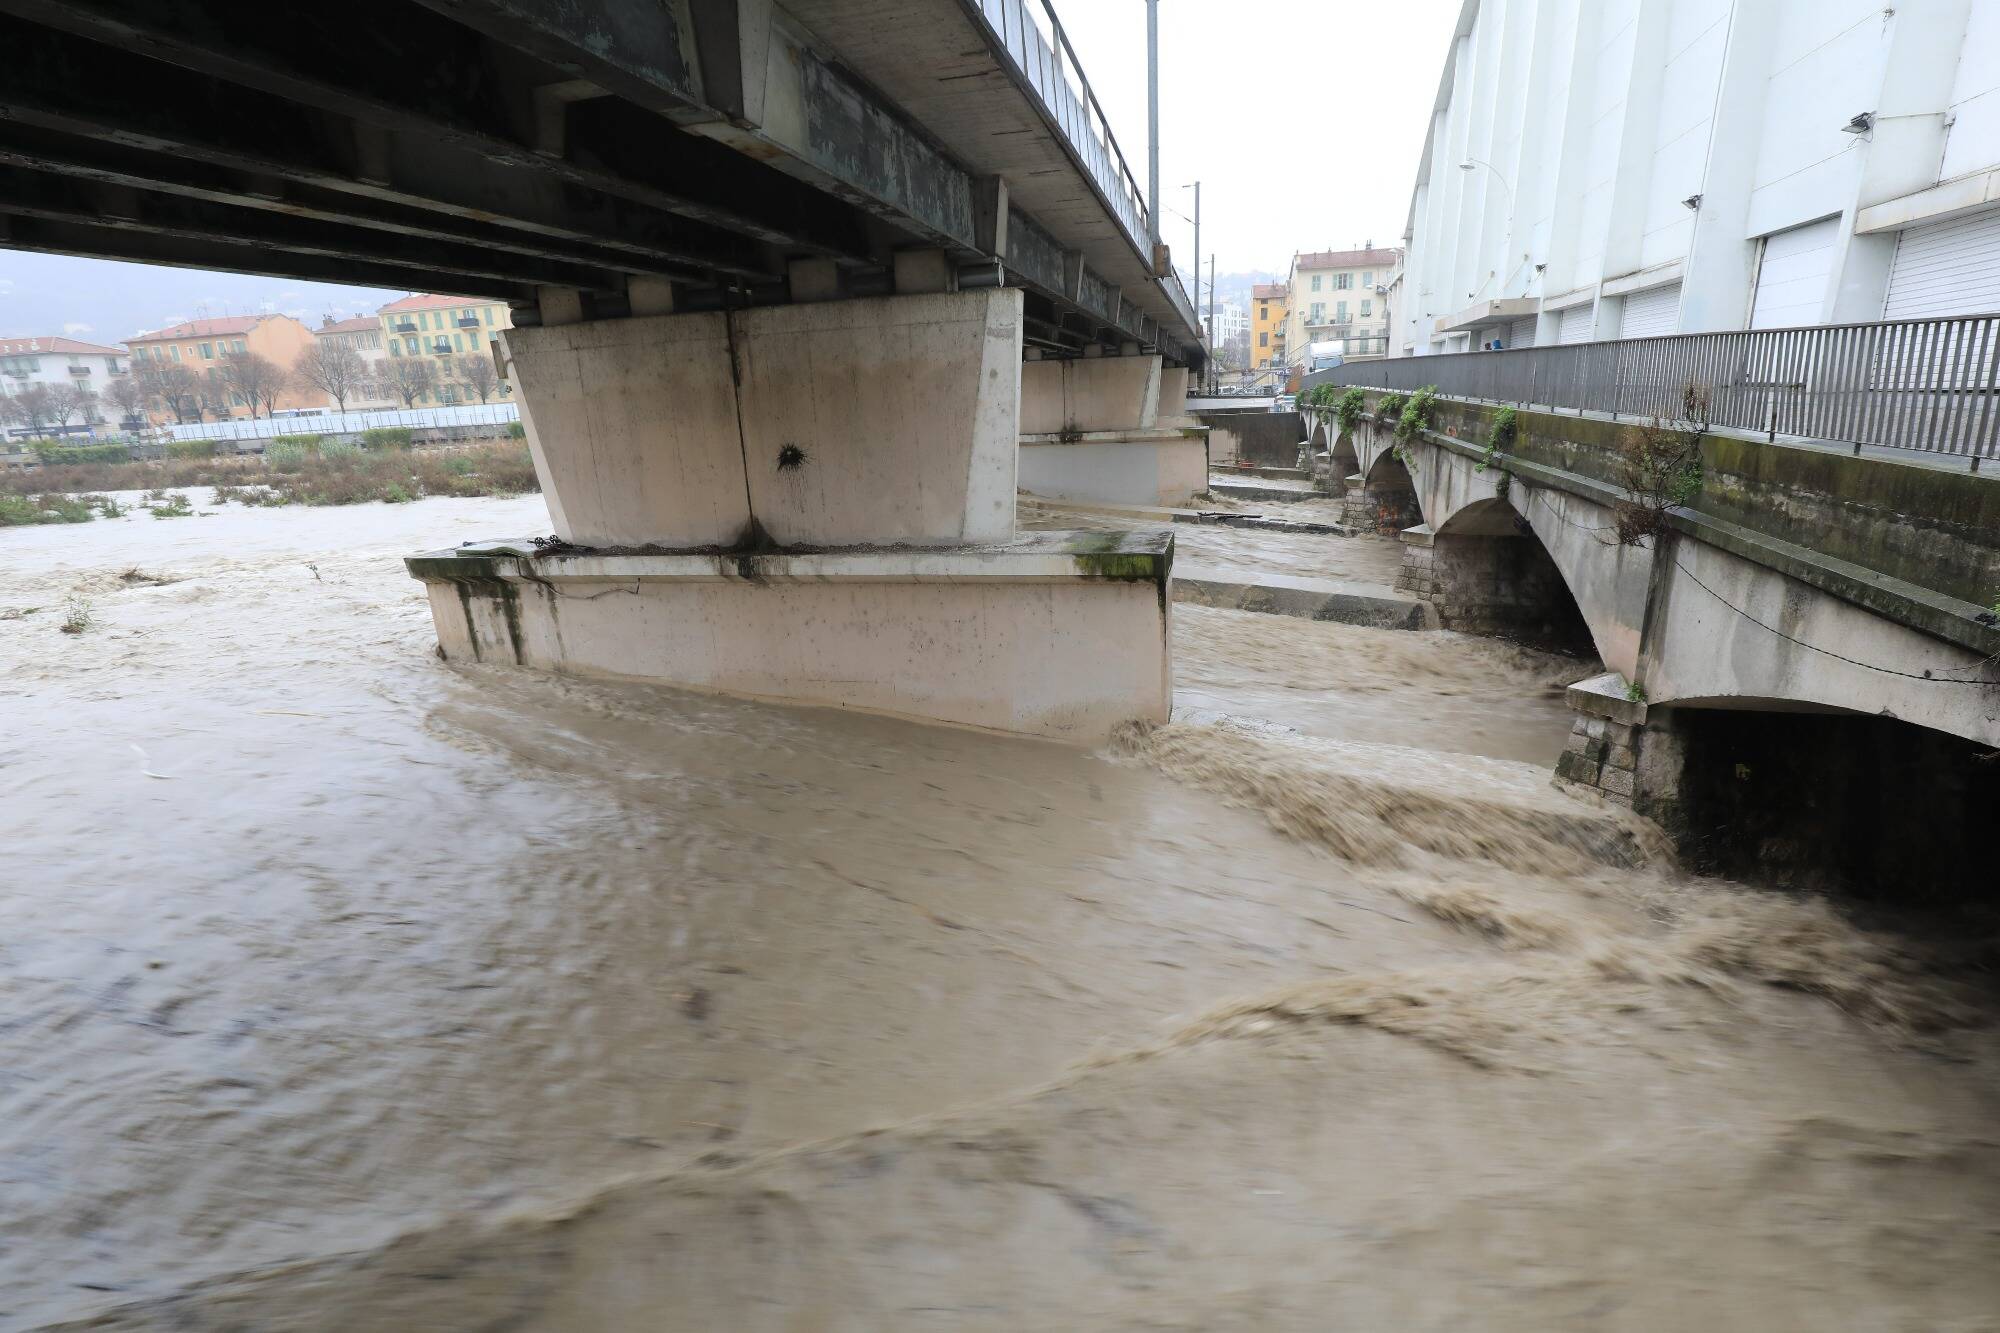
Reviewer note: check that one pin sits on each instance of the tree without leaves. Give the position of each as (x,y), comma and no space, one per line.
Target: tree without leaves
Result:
(476,373)
(335,369)
(257,380)
(67,401)
(174,386)
(406,377)
(212,396)
(127,397)
(33,407)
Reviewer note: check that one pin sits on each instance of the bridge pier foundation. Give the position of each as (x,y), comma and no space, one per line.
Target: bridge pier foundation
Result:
(811,503)
(1110,429)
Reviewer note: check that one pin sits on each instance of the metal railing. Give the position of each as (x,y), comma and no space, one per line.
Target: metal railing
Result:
(1926,384)
(1048,64)
(348,423)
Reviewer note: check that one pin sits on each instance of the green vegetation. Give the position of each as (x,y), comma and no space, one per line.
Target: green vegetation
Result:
(76,615)
(517,430)
(1635,692)
(1389,408)
(1504,430)
(19,511)
(1415,418)
(1349,409)
(387,437)
(56,455)
(191,448)
(288,453)
(173,506)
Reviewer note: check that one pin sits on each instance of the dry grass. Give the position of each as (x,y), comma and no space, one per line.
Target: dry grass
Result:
(355,477)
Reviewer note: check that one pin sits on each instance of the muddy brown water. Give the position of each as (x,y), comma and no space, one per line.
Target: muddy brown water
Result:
(347,989)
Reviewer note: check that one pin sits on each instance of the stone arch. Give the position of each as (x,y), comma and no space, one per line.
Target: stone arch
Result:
(1387,501)
(1318,434)
(1344,460)
(1487,571)
(1821,798)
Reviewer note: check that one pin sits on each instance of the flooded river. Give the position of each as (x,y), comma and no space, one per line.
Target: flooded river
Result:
(346,989)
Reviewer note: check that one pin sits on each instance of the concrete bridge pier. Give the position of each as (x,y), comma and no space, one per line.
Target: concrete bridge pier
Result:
(1110,429)
(813,503)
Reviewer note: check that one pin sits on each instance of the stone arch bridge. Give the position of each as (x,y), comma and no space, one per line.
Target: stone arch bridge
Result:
(1813,617)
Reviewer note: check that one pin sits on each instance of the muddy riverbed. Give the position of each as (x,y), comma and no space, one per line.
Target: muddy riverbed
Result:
(344,988)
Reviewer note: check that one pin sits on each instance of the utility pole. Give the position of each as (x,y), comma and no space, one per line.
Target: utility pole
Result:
(1153,122)
(1196,187)
(1211,320)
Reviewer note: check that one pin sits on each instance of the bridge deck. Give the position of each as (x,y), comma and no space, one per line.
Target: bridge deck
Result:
(497,147)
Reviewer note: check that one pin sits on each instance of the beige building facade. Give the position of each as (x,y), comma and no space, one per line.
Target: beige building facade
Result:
(1339,296)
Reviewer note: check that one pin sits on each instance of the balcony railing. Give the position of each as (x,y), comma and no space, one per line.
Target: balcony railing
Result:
(1924,384)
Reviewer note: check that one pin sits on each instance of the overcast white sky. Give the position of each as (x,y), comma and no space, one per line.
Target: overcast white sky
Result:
(1302,119)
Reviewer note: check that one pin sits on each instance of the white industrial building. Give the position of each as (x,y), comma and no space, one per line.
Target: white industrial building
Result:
(1625,168)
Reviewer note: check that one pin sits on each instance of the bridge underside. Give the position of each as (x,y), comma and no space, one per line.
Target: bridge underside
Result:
(774,268)
(613,148)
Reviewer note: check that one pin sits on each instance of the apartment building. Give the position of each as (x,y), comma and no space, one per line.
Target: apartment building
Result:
(51,361)
(1624,168)
(363,334)
(204,345)
(1334,296)
(443,328)
(1268,302)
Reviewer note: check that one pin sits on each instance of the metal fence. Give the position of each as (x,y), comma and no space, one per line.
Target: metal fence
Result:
(350,423)
(1929,384)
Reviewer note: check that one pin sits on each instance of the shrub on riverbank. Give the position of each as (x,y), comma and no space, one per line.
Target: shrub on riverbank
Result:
(328,473)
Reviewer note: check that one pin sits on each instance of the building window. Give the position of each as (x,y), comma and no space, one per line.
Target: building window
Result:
(1368,278)
(1343,282)
(176,351)
(207,352)
(1315,282)
(1340,313)
(1317,315)
(238,345)
(489,317)
(1263,340)
(1367,308)
(394,350)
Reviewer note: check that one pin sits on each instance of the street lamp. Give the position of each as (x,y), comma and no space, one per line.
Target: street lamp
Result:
(1472,162)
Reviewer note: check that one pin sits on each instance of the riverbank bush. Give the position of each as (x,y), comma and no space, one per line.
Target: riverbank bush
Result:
(17,511)
(56,455)
(333,473)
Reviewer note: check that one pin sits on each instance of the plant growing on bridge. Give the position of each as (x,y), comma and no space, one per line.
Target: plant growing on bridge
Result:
(1504,430)
(1661,461)
(1416,414)
(1350,408)
(1388,408)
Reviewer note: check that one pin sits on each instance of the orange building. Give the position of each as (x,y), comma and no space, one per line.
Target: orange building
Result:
(1268,306)
(204,345)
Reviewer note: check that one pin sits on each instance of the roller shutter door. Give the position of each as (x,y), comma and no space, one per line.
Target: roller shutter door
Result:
(1792,280)
(1946,268)
(1521,333)
(1576,324)
(1652,313)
